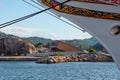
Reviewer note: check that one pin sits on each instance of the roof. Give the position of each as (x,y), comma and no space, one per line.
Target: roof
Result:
(63,46)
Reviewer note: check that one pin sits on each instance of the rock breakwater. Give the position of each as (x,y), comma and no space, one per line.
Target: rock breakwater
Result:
(77,58)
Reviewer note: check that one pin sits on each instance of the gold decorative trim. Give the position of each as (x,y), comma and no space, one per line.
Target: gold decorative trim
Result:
(83,12)
(99,2)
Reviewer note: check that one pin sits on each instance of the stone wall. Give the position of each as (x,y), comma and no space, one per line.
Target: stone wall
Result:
(77,58)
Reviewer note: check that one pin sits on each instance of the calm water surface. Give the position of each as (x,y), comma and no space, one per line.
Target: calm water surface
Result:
(61,71)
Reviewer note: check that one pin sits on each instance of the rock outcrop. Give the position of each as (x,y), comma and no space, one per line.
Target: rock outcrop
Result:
(15,46)
(77,58)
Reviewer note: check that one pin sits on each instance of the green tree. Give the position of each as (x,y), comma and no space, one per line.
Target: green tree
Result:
(91,49)
(57,54)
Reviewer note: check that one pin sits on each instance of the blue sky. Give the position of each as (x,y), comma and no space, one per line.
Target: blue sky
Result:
(42,25)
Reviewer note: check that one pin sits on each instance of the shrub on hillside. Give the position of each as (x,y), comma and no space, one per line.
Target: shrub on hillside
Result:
(57,54)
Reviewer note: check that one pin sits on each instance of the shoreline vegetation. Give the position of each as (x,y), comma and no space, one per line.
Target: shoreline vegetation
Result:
(60,59)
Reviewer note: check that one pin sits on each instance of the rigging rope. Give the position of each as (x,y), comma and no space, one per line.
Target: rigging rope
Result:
(30,15)
(54,15)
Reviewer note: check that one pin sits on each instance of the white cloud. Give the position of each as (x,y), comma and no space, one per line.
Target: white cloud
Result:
(53,35)
(21,31)
(29,32)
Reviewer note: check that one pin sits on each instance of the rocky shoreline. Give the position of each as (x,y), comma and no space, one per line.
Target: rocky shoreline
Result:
(76,58)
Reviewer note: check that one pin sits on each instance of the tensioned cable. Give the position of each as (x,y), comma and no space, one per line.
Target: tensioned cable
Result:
(28,16)
(38,7)
(31,4)
(17,20)
(53,15)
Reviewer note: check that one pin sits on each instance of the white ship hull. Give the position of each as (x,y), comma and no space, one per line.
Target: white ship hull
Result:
(98,27)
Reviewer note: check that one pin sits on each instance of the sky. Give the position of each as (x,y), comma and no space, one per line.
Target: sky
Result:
(41,25)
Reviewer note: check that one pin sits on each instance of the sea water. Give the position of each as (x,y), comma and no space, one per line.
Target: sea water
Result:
(61,71)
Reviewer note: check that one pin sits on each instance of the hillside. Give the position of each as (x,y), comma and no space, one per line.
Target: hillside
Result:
(36,40)
(87,42)
(33,40)
(3,35)
(84,44)
(81,44)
